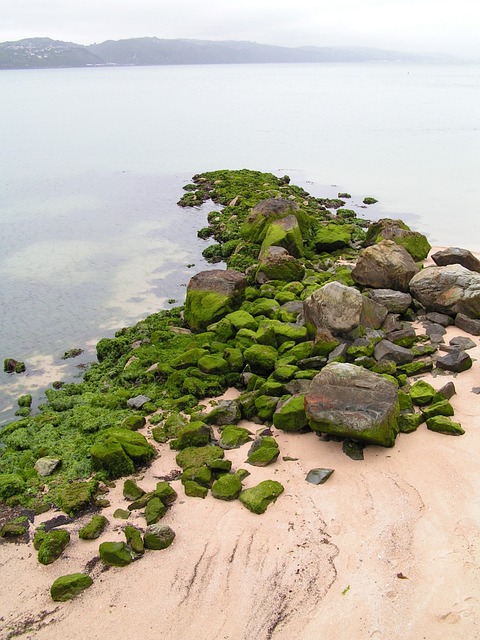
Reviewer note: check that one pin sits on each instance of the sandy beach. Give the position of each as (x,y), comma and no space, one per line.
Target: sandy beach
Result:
(388,548)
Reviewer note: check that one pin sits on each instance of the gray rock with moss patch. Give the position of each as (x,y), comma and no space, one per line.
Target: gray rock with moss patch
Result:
(290,414)
(211,295)
(258,498)
(158,537)
(264,451)
(348,401)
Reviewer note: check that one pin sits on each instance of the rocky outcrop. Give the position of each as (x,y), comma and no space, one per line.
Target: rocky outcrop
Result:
(393,301)
(211,295)
(348,401)
(452,289)
(385,265)
(340,309)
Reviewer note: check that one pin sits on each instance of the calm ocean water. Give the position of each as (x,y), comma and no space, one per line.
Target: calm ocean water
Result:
(93,161)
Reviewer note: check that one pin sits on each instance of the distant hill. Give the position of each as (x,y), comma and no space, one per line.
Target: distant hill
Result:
(34,53)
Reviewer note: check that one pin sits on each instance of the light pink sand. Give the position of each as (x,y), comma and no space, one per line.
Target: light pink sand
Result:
(323,561)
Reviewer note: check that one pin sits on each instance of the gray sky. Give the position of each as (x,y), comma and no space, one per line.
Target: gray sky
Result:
(443,26)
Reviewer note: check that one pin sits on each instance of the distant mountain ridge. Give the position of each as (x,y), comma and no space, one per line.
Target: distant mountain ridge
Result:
(35,53)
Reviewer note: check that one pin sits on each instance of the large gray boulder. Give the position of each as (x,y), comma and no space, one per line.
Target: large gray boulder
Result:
(455,255)
(451,289)
(385,265)
(211,295)
(340,309)
(351,402)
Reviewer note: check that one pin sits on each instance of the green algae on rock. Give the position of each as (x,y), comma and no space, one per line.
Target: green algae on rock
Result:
(115,554)
(53,545)
(94,528)
(258,498)
(157,537)
(67,587)
(227,487)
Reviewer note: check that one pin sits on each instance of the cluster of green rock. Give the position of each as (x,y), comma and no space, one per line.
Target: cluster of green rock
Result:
(281,245)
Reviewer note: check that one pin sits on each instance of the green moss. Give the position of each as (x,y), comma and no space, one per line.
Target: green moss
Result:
(258,498)
(198,456)
(202,475)
(443,424)
(76,496)
(265,407)
(165,492)
(118,451)
(131,491)
(409,422)
(227,487)
(442,408)
(134,539)
(421,392)
(133,422)
(94,528)
(154,510)
(194,490)
(67,587)
(263,452)
(11,484)
(233,437)
(194,434)
(261,358)
(290,415)
(157,537)
(115,554)
(53,545)
(202,308)
(332,236)
(25,401)
(213,364)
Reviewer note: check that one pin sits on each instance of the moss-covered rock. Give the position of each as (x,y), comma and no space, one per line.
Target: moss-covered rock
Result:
(154,510)
(158,537)
(211,295)
(166,493)
(233,437)
(134,539)
(25,401)
(118,451)
(11,484)
(213,364)
(115,554)
(67,587)
(443,424)
(202,475)
(264,451)
(227,487)
(94,528)
(189,358)
(261,358)
(194,490)
(409,422)
(133,422)
(193,434)
(76,496)
(195,457)
(53,545)
(258,498)
(265,407)
(131,490)
(290,414)
(442,408)
(332,236)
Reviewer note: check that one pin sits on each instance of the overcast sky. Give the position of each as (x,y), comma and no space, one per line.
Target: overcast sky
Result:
(443,26)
